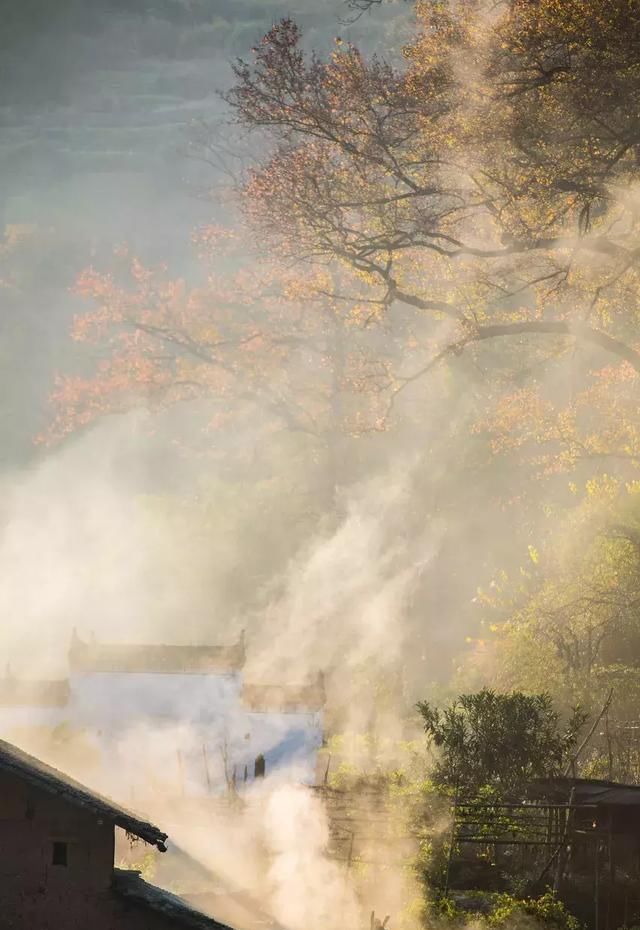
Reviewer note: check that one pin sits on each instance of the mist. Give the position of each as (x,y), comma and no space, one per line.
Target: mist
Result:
(282,375)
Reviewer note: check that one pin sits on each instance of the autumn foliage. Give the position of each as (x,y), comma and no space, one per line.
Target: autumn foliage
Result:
(469,213)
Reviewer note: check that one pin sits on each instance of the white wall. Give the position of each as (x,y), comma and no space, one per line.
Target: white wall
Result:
(175,734)
(186,733)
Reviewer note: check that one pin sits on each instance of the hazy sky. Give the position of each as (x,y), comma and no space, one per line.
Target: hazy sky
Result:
(98,100)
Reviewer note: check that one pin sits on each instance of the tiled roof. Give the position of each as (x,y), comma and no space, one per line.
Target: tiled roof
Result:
(211,893)
(15,761)
(285,698)
(589,791)
(167,659)
(134,889)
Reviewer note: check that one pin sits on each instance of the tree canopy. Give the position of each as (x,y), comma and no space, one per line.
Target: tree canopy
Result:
(498,742)
(435,254)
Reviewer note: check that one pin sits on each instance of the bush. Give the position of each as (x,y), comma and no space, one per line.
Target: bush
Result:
(546,910)
(499,741)
(492,911)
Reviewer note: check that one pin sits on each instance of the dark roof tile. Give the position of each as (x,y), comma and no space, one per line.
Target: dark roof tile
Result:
(131,887)
(304,698)
(588,791)
(15,761)
(167,659)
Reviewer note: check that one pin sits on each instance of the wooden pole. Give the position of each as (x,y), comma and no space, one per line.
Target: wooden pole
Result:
(326,772)
(605,707)
(596,896)
(349,857)
(180,772)
(611,869)
(206,768)
(607,734)
(451,842)
(562,846)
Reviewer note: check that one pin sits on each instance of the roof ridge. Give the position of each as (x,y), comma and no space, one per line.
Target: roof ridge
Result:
(156,657)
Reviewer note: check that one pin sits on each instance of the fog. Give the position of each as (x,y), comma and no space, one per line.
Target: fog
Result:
(100,153)
(356,556)
(116,533)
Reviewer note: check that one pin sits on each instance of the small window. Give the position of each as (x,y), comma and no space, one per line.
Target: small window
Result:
(59,853)
(259,768)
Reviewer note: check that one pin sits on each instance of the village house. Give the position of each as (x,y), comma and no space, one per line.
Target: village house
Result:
(187,714)
(57,857)
(598,868)
(578,836)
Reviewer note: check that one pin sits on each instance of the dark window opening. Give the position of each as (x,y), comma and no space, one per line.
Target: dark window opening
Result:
(59,854)
(259,768)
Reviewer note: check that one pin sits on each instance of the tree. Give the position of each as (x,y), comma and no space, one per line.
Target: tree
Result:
(498,741)
(569,620)
(467,220)
(258,348)
(488,187)
(36,266)
(480,185)
(449,190)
